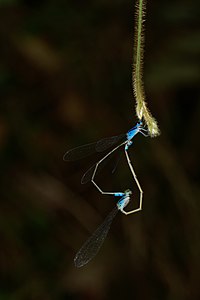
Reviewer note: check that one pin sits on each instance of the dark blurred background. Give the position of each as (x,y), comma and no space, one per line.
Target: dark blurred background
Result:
(65,80)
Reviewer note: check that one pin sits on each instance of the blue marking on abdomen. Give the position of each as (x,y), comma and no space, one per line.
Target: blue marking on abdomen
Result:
(119,194)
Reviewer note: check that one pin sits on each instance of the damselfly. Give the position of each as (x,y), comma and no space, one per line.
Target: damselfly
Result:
(103,145)
(91,247)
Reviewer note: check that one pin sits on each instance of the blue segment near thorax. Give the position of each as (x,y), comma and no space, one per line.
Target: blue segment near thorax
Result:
(128,144)
(123,202)
(131,133)
(120,203)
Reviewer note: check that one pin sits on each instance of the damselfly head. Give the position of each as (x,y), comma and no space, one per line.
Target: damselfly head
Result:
(128,192)
(140,124)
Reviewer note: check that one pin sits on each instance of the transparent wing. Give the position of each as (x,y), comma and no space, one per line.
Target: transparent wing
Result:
(88,175)
(106,143)
(117,162)
(80,152)
(91,247)
(88,149)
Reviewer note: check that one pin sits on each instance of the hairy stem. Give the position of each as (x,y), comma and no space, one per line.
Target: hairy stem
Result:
(137,76)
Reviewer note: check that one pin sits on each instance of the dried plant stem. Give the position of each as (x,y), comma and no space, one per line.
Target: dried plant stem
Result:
(137,76)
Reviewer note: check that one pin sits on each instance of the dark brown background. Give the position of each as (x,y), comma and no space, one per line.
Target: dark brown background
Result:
(65,80)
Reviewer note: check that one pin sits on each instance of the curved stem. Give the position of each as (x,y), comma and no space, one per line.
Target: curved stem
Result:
(137,76)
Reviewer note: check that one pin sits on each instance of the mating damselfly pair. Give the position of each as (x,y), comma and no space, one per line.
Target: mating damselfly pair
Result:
(93,244)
